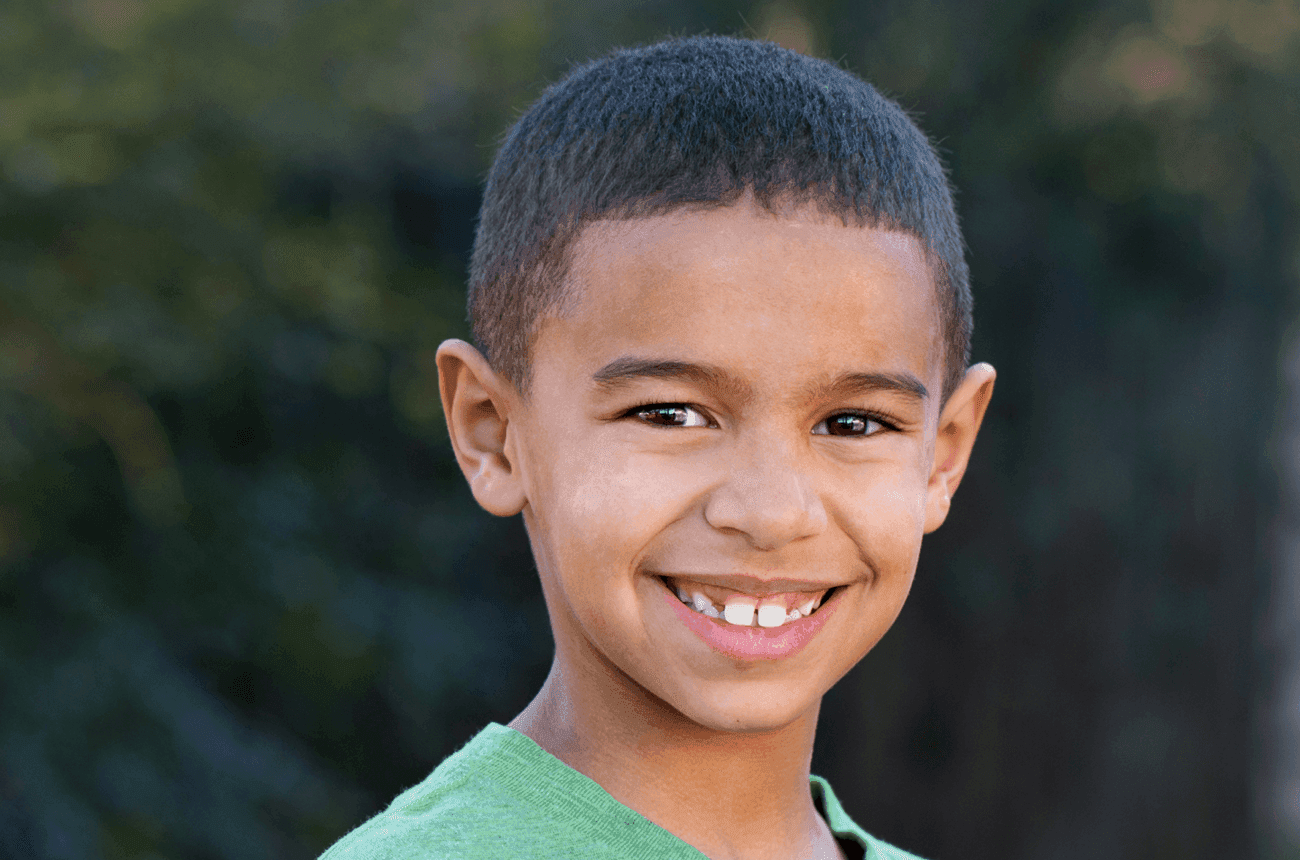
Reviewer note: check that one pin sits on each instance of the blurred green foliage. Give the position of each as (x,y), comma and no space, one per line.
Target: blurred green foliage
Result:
(244,597)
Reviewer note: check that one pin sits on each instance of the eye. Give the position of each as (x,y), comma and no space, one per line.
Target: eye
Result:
(670,415)
(848,424)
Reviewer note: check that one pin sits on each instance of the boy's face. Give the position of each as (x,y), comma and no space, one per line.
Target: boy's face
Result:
(747,406)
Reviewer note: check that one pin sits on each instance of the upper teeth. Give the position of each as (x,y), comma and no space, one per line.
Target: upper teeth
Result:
(703,604)
(771,615)
(744,611)
(738,613)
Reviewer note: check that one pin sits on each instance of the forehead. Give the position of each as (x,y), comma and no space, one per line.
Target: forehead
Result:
(731,284)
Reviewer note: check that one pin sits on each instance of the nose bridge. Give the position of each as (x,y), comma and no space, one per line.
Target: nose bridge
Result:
(768,494)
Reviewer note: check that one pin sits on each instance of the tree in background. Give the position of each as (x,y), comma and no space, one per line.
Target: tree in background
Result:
(244,598)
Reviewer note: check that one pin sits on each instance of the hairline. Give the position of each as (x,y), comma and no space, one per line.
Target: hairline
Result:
(570,236)
(852,153)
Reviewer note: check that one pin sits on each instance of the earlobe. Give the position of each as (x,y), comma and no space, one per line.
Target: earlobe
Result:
(959,423)
(477,403)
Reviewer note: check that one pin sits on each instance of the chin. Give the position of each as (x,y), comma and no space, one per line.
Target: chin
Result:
(759,708)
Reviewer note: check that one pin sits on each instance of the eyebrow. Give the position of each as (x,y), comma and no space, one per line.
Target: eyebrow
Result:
(625,370)
(904,384)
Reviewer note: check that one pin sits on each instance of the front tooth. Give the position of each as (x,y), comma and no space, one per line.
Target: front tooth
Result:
(794,615)
(712,611)
(739,613)
(771,615)
(700,602)
(808,606)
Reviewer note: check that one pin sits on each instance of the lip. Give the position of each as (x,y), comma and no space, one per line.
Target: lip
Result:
(753,643)
(754,586)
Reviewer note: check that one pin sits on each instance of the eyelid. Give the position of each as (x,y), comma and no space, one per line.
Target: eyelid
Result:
(883,422)
(670,404)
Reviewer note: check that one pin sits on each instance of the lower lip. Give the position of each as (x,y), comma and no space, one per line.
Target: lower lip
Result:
(753,643)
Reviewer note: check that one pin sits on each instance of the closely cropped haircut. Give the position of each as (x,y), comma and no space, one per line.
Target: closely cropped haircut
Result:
(699,122)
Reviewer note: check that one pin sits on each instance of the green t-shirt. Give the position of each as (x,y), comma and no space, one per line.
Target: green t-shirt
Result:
(503,796)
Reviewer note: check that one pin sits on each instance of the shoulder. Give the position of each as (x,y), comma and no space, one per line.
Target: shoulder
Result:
(846,828)
(470,807)
(503,796)
(440,831)
(881,850)
(461,811)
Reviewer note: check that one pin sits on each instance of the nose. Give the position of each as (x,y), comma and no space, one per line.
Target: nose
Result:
(768,497)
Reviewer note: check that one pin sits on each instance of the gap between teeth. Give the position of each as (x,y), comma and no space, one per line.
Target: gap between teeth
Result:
(742,614)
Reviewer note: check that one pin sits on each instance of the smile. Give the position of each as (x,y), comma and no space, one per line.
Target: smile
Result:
(740,632)
(746,610)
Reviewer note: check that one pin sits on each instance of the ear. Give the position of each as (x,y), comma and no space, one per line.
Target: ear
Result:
(959,422)
(477,403)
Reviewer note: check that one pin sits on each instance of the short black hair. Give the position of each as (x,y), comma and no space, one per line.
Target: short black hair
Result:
(699,122)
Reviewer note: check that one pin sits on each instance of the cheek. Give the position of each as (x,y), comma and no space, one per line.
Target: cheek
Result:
(884,512)
(607,507)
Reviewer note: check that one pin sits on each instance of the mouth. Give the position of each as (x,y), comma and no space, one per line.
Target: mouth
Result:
(734,623)
(767,608)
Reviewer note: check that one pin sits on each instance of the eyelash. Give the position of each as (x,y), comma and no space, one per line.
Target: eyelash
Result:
(635,412)
(883,422)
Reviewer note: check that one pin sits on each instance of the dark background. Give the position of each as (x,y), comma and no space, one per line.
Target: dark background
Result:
(245,598)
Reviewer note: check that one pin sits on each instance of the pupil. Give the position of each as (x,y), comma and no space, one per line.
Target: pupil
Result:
(847,424)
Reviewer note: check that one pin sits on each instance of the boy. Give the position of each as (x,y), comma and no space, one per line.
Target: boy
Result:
(722,304)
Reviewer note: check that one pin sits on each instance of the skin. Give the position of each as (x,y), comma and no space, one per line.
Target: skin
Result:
(770,466)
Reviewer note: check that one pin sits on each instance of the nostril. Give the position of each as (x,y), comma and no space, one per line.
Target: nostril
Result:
(769,514)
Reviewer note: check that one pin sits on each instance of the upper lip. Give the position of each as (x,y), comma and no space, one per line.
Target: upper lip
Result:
(753,585)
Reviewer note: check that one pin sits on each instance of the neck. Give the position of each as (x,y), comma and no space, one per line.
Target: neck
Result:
(729,794)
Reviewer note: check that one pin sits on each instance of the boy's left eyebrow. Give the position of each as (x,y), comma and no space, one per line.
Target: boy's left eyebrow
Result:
(904,384)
